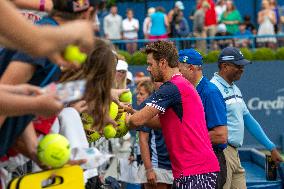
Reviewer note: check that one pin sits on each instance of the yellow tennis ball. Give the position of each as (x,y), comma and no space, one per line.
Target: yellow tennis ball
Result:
(72,53)
(95,136)
(113,110)
(54,150)
(86,118)
(109,131)
(87,125)
(126,97)
(121,129)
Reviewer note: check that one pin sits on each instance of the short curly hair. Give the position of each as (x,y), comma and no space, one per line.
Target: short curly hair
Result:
(163,50)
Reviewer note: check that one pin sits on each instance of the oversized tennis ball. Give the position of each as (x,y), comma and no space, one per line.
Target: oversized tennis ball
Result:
(113,110)
(109,131)
(94,137)
(72,53)
(126,97)
(121,129)
(54,150)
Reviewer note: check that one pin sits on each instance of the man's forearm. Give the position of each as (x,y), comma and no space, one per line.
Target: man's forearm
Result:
(12,105)
(153,123)
(33,4)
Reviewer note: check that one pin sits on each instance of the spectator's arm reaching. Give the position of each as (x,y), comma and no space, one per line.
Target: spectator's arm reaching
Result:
(23,35)
(145,155)
(13,104)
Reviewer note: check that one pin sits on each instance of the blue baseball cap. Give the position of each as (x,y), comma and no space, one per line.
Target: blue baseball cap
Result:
(233,55)
(190,56)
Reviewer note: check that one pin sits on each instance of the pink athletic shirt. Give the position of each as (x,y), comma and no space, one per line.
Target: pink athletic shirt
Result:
(184,128)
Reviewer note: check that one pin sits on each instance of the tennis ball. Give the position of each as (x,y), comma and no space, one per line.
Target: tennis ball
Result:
(87,126)
(126,97)
(86,118)
(113,110)
(121,129)
(72,53)
(54,150)
(95,136)
(109,131)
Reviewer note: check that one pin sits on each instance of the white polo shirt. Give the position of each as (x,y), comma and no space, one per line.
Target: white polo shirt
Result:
(129,28)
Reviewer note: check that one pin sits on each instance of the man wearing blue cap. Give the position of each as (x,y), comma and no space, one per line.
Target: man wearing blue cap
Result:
(231,66)
(190,65)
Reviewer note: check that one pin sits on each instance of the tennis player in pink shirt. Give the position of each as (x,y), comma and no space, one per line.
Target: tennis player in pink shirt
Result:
(177,108)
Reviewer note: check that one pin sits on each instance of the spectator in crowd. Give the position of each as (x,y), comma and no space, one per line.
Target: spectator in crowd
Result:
(219,44)
(113,25)
(275,8)
(181,28)
(156,169)
(210,20)
(199,26)
(249,25)
(231,65)
(266,20)
(120,76)
(147,23)
(159,24)
(281,27)
(231,18)
(96,25)
(172,17)
(243,37)
(178,7)
(102,12)
(220,9)
(130,27)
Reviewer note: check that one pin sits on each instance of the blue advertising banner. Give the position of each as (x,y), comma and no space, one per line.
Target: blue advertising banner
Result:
(262,86)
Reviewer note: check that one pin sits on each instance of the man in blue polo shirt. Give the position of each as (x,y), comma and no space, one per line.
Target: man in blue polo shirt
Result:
(190,65)
(231,66)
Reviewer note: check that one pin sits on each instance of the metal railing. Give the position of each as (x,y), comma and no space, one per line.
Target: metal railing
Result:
(190,42)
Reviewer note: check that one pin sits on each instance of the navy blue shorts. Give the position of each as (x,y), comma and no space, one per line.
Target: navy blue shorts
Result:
(202,181)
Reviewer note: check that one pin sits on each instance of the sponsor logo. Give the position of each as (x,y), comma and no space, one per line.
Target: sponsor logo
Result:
(268,105)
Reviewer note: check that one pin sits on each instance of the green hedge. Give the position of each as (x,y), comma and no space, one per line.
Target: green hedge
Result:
(260,54)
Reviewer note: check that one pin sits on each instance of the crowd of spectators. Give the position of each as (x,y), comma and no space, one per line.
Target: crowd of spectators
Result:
(210,18)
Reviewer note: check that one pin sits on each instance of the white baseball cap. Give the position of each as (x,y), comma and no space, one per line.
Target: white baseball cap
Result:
(122,65)
(129,76)
(180,5)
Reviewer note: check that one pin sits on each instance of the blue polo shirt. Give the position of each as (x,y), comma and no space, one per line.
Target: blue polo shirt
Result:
(158,150)
(236,110)
(214,106)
